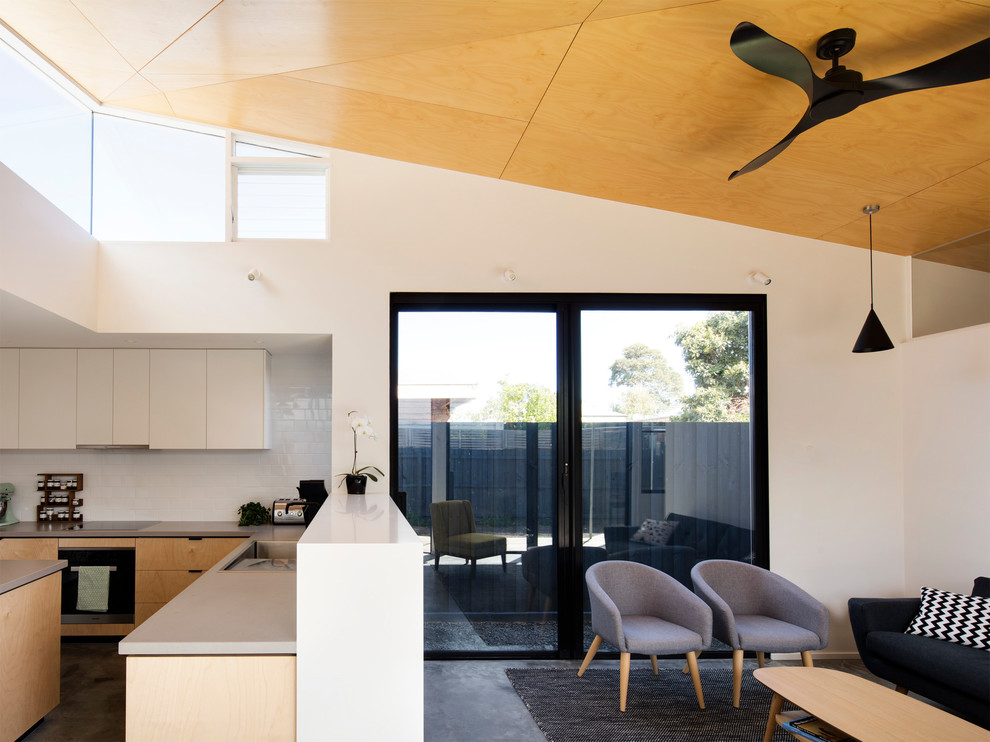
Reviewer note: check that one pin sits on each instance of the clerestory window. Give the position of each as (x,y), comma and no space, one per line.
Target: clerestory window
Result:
(277,193)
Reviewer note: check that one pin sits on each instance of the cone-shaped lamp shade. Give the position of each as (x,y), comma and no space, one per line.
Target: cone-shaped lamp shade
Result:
(872,337)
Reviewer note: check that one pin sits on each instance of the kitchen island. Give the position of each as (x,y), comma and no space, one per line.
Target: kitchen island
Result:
(30,598)
(218,661)
(332,651)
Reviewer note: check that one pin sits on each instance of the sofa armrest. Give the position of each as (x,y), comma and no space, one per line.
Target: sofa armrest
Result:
(880,614)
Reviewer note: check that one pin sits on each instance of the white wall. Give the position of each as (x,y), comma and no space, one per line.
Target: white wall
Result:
(45,257)
(198,485)
(837,468)
(946,464)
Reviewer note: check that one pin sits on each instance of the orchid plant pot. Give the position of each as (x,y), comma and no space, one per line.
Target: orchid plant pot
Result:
(356,483)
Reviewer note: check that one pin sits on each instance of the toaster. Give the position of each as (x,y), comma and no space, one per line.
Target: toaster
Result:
(289,512)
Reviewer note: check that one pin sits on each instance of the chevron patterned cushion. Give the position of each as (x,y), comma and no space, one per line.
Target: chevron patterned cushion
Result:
(655,532)
(962,619)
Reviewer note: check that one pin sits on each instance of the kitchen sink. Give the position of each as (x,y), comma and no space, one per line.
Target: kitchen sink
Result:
(265,556)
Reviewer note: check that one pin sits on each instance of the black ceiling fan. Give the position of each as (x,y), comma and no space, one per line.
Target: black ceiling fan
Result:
(843,90)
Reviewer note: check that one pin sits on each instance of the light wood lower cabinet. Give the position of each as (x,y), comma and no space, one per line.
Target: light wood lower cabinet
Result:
(167,566)
(29,648)
(182,553)
(28,548)
(211,699)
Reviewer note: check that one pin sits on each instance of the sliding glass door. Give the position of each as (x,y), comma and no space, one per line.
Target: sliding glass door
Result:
(537,435)
(666,438)
(476,423)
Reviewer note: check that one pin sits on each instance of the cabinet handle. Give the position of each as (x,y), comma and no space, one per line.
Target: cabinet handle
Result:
(195,571)
(195,538)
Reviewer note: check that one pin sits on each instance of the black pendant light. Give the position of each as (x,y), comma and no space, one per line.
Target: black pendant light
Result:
(872,337)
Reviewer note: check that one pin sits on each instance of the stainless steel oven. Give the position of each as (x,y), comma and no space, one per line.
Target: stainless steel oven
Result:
(98,585)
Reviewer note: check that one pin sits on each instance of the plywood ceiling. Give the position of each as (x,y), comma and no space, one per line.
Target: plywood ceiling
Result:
(639,101)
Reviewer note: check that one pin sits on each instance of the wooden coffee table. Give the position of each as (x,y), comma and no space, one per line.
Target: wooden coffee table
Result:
(861,708)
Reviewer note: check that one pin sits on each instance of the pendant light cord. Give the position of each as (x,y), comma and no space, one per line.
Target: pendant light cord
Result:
(871,260)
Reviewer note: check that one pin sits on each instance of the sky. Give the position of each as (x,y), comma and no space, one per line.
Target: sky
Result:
(483,347)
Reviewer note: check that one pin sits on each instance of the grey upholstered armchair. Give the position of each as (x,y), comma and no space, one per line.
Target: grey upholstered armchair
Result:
(757,610)
(640,609)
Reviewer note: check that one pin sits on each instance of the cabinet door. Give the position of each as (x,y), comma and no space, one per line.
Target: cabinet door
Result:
(28,548)
(131,396)
(29,645)
(178,399)
(182,553)
(47,398)
(10,359)
(237,398)
(94,396)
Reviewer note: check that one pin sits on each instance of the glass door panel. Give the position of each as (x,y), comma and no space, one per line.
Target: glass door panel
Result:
(476,424)
(666,442)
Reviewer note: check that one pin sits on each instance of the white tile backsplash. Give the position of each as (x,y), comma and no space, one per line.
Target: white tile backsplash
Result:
(126,484)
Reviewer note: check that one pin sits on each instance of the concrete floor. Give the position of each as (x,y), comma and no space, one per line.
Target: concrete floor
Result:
(465,701)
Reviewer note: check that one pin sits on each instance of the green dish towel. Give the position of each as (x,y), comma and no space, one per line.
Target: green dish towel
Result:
(94,589)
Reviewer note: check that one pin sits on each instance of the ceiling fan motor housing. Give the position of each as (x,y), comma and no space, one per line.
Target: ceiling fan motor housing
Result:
(836,43)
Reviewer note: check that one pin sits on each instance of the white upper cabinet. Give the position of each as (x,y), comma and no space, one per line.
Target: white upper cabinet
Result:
(131,396)
(47,398)
(94,396)
(237,399)
(112,401)
(160,398)
(178,399)
(10,360)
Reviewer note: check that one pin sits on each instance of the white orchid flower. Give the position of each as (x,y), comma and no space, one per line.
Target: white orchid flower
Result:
(361,426)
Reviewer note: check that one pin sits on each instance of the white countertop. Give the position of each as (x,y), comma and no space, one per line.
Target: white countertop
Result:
(359,519)
(15,573)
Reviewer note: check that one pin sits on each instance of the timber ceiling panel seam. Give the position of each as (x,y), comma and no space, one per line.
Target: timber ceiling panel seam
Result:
(637,101)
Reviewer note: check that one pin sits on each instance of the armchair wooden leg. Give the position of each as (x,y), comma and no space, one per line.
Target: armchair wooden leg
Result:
(653,661)
(592,650)
(737,662)
(503,562)
(623,679)
(806,659)
(687,667)
(436,561)
(761,659)
(692,659)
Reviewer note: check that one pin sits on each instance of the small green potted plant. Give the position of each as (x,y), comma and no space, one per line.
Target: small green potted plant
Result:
(254,514)
(357,479)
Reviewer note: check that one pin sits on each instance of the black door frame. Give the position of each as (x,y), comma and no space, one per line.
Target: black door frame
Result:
(568,308)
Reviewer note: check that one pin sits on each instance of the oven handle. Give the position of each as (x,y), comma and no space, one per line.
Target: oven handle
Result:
(76,569)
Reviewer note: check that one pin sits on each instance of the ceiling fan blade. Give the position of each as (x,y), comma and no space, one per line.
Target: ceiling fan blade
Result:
(759,49)
(966,65)
(803,125)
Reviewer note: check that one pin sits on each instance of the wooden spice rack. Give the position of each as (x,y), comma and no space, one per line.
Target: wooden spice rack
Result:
(60,501)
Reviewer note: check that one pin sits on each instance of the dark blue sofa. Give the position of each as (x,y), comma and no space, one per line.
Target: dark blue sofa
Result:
(953,675)
(692,541)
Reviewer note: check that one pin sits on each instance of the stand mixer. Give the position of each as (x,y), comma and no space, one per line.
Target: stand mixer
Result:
(6,491)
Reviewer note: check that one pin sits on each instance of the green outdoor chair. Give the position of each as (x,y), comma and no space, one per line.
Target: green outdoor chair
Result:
(454,533)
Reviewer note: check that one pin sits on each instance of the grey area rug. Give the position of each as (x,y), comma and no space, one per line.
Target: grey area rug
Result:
(658,708)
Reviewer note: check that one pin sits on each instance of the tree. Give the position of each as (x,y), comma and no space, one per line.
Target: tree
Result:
(520,402)
(716,353)
(653,385)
